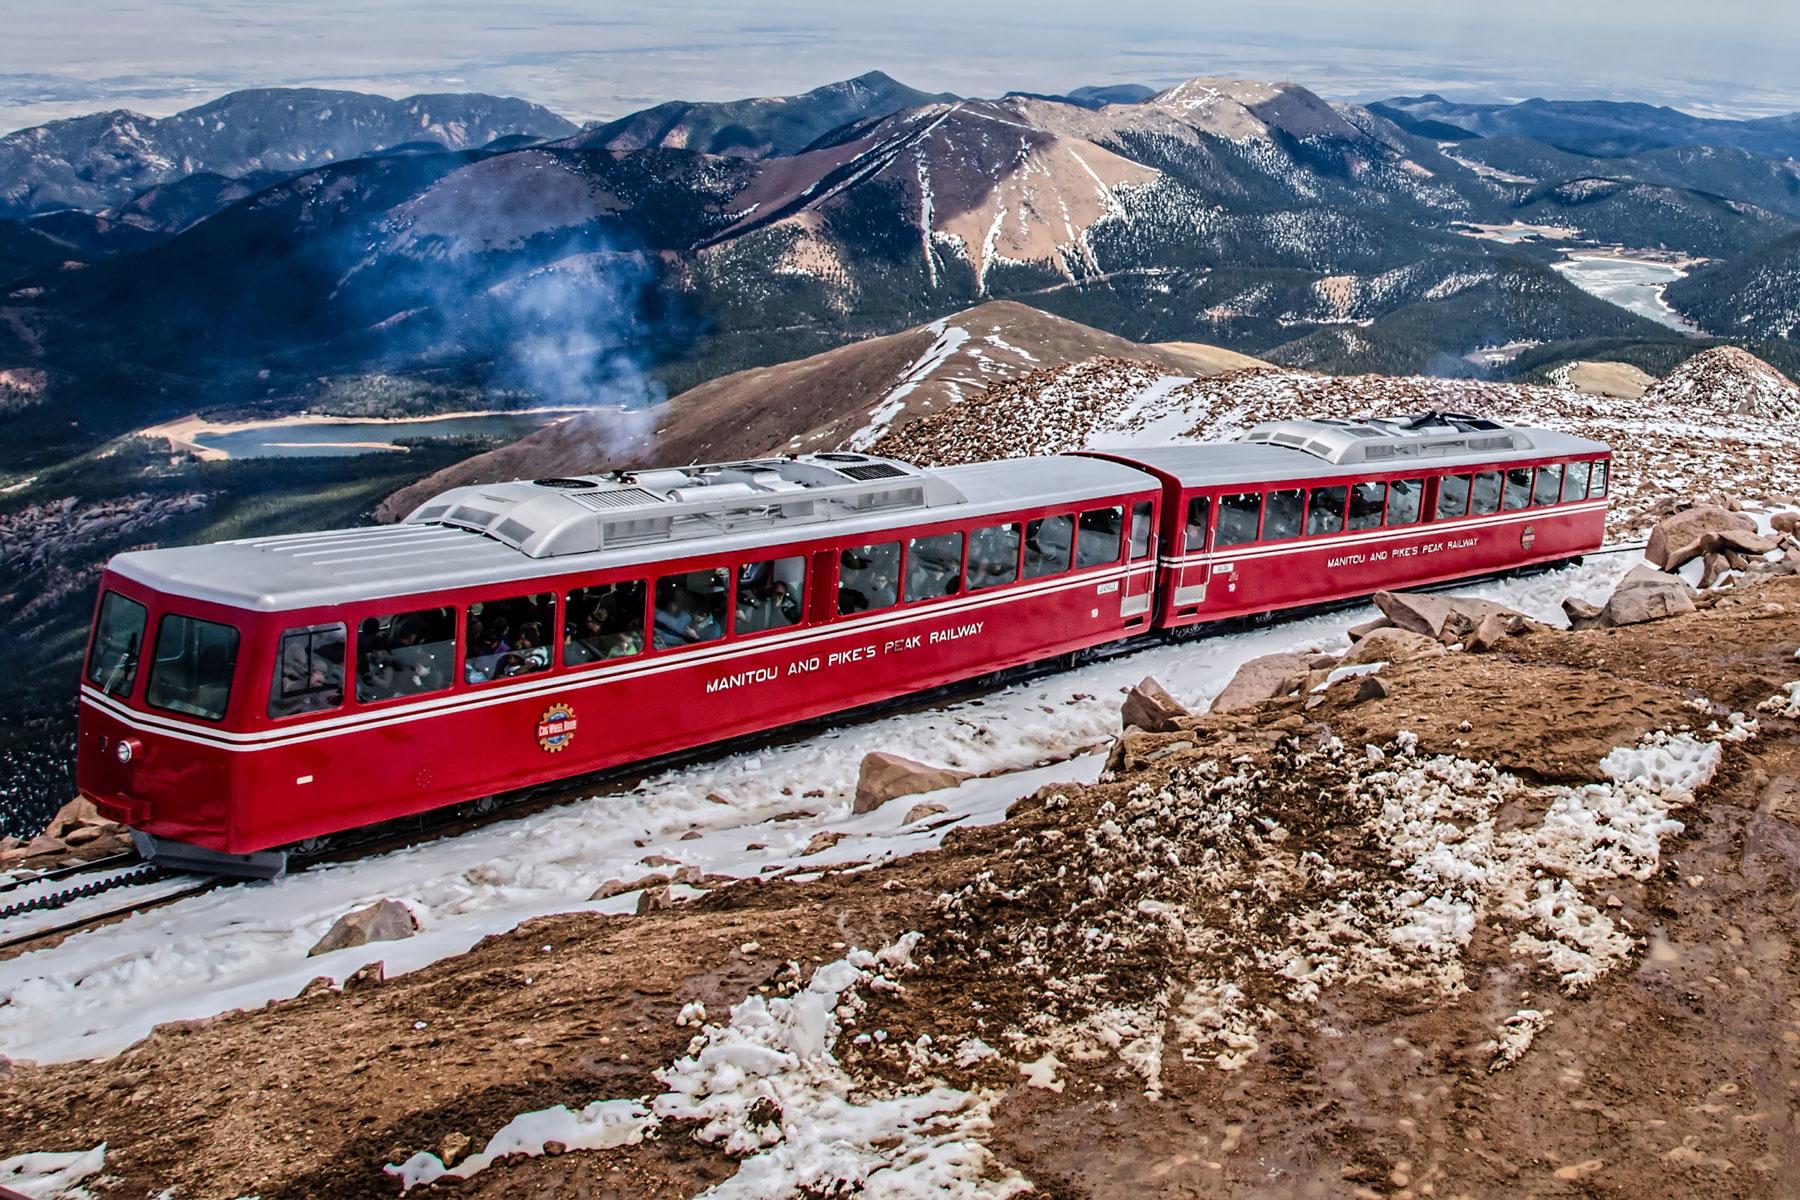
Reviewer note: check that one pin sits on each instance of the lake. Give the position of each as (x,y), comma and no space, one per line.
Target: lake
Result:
(311,437)
(1630,283)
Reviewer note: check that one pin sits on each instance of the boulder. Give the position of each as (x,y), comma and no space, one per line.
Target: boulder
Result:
(655,900)
(382,921)
(1426,613)
(920,812)
(1786,522)
(1489,632)
(1681,536)
(885,776)
(1394,646)
(1262,679)
(1457,627)
(1646,594)
(1744,541)
(1149,707)
(1373,687)
(618,887)
(1581,614)
(823,840)
(1359,632)
(72,816)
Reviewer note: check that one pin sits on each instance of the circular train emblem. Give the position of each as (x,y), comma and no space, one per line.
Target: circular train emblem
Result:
(556,728)
(1527,537)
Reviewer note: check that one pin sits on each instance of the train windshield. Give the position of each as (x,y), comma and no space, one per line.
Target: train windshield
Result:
(118,639)
(193,666)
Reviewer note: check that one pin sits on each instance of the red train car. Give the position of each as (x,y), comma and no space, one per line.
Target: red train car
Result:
(240,699)
(509,634)
(1304,512)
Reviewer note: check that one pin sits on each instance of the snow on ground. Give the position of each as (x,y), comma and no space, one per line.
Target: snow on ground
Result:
(768,1090)
(950,339)
(754,813)
(52,1175)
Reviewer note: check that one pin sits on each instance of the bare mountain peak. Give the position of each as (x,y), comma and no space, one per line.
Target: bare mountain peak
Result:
(763,126)
(852,395)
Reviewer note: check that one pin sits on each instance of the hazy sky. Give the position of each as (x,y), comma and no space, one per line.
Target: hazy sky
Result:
(59,58)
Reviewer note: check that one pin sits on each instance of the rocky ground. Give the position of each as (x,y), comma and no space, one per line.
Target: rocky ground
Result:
(1481,908)
(1722,422)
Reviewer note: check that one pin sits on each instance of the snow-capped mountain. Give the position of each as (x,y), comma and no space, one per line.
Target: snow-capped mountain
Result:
(1252,215)
(104,159)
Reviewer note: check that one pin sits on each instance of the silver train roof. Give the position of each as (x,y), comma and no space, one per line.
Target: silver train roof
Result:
(498,533)
(525,529)
(1276,451)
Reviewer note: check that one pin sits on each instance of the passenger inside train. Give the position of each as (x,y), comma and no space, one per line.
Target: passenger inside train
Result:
(604,622)
(405,654)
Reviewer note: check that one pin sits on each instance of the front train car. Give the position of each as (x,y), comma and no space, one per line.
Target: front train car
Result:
(242,698)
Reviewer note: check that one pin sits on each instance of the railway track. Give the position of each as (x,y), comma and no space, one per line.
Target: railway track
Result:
(27,906)
(55,903)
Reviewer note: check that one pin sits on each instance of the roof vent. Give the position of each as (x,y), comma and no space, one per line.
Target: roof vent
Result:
(1385,439)
(874,470)
(566,485)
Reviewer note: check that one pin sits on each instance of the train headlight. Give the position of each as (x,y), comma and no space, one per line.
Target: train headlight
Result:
(126,749)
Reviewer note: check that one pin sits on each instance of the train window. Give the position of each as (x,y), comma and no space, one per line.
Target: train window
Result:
(1453,496)
(1404,496)
(1281,515)
(1548,486)
(1099,537)
(405,654)
(509,637)
(1485,498)
(118,638)
(1518,489)
(1199,515)
(1597,486)
(1048,543)
(770,594)
(1238,516)
(993,557)
(1325,510)
(604,622)
(933,566)
(690,608)
(1366,503)
(1575,481)
(868,577)
(1140,529)
(191,672)
(309,670)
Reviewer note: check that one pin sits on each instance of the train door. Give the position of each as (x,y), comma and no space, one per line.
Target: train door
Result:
(1192,568)
(1140,577)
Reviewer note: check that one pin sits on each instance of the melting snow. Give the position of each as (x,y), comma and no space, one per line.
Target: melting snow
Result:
(52,1176)
(950,339)
(767,1089)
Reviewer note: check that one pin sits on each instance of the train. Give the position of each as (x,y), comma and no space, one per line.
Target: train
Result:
(244,700)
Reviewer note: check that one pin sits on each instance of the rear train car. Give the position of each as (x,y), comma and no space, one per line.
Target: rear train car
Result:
(1307,512)
(242,697)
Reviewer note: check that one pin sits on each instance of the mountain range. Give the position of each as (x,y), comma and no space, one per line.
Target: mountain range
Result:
(1597,127)
(280,240)
(104,159)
